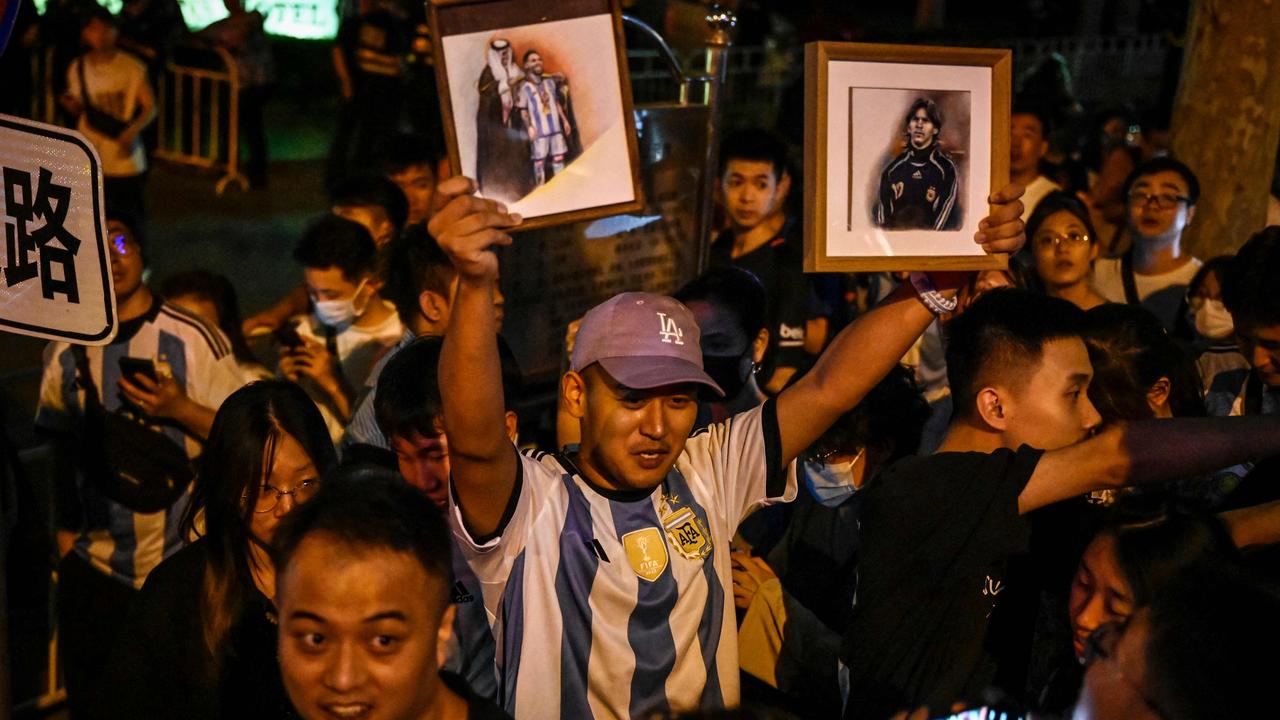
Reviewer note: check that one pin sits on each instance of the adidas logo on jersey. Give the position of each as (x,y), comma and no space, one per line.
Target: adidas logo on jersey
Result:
(459,594)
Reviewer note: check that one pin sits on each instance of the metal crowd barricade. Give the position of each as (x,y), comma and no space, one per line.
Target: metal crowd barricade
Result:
(198,114)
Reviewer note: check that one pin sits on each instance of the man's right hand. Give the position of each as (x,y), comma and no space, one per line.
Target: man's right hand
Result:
(468,227)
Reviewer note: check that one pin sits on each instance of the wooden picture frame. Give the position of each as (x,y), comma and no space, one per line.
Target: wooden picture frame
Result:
(582,96)
(876,198)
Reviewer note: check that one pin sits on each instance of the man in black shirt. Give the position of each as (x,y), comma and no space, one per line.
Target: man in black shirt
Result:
(932,621)
(918,188)
(761,238)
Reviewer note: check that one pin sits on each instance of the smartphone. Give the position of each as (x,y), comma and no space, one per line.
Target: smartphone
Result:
(130,366)
(287,336)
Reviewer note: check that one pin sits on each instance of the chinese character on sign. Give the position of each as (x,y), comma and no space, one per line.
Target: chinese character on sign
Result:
(54,245)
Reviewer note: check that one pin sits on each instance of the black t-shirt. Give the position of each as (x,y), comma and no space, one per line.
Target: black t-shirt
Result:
(791,297)
(938,534)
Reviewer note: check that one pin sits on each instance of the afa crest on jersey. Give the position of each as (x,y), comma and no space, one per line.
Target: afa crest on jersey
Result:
(931,194)
(687,533)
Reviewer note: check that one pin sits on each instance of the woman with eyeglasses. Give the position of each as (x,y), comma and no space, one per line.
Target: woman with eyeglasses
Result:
(1064,245)
(201,642)
(1140,546)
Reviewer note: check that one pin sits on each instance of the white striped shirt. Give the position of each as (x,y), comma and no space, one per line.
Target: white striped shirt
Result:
(603,603)
(117,541)
(539,98)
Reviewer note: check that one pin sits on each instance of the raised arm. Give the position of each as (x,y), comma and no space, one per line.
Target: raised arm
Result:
(481,456)
(866,350)
(1148,452)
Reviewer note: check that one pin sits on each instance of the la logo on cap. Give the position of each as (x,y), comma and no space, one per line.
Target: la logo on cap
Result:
(670,332)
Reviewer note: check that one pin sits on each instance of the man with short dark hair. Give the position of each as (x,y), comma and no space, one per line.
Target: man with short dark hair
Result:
(414,164)
(608,569)
(1248,382)
(376,203)
(1161,196)
(350,326)
(420,283)
(1028,144)
(107,546)
(544,105)
(363,592)
(938,615)
(918,188)
(761,238)
(411,416)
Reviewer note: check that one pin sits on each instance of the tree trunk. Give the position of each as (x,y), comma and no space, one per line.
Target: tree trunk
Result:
(1226,118)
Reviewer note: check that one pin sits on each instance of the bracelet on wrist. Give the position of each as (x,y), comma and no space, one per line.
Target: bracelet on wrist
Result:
(936,302)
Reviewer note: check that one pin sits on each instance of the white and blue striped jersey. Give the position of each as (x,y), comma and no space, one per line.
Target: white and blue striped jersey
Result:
(614,604)
(117,541)
(539,98)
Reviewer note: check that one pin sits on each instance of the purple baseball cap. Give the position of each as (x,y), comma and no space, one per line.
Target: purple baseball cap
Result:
(643,341)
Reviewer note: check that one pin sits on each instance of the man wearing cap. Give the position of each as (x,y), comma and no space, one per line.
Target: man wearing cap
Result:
(607,573)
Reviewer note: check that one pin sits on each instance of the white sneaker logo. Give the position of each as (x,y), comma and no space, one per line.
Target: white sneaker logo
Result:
(670,332)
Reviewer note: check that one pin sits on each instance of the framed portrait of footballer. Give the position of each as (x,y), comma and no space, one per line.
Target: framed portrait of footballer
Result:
(903,145)
(537,106)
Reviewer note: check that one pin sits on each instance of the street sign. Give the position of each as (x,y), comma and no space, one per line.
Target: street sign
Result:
(55,270)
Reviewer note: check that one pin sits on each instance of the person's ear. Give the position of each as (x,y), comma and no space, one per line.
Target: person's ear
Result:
(433,306)
(1158,396)
(784,186)
(512,422)
(1094,248)
(445,632)
(573,394)
(759,346)
(1191,213)
(991,408)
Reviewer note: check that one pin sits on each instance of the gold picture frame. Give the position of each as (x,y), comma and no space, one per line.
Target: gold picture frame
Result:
(878,200)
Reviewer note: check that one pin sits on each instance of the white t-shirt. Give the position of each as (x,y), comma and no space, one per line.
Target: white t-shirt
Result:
(1161,294)
(610,605)
(359,349)
(1035,192)
(113,87)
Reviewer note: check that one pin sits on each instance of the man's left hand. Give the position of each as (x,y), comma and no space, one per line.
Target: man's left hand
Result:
(1002,231)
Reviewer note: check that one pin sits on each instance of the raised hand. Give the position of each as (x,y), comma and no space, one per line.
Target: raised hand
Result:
(468,227)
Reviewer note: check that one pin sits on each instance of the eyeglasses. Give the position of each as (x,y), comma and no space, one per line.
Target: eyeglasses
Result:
(269,495)
(1071,240)
(1102,644)
(1163,201)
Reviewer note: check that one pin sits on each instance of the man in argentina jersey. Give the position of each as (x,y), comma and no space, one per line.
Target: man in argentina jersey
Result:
(545,117)
(108,549)
(918,188)
(607,572)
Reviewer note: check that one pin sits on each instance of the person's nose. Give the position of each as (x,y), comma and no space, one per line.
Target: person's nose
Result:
(1092,418)
(344,671)
(653,422)
(284,504)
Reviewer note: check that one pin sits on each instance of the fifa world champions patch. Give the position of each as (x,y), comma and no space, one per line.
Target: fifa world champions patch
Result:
(646,552)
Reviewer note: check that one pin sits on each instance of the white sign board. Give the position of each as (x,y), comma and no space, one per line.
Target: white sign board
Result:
(55,268)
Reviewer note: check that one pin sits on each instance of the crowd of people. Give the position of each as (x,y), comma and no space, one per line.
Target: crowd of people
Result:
(1049,490)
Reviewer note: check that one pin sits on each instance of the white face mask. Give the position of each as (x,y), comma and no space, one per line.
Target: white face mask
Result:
(1213,321)
(831,483)
(340,314)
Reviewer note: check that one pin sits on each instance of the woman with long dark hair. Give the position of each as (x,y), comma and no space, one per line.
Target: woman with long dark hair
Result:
(201,642)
